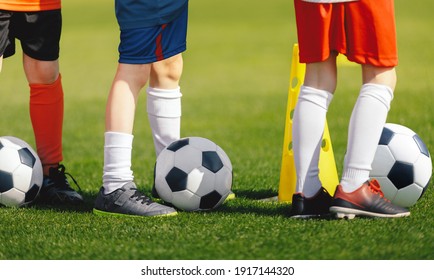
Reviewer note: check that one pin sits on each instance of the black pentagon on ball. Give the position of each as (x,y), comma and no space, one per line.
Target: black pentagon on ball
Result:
(32,193)
(26,157)
(386,136)
(1,145)
(174,146)
(210,200)
(401,174)
(422,147)
(211,161)
(6,181)
(177,179)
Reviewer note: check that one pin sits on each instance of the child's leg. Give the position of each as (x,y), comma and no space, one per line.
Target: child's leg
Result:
(46,109)
(120,110)
(164,101)
(308,128)
(366,123)
(309,122)
(122,100)
(46,113)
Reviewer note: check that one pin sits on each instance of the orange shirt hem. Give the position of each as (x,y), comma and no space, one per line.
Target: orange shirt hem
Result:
(30,5)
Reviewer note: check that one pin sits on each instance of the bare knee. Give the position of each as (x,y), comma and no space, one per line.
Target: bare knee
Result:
(166,74)
(40,72)
(135,75)
(322,75)
(379,75)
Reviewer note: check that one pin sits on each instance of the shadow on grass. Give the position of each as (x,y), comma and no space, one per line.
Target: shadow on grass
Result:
(255,202)
(255,194)
(252,202)
(86,206)
(262,203)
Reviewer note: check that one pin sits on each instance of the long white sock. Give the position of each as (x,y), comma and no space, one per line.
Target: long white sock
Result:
(307,131)
(366,124)
(117,160)
(164,113)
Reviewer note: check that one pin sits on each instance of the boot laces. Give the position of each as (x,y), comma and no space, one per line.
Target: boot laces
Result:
(141,197)
(375,187)
(58,176)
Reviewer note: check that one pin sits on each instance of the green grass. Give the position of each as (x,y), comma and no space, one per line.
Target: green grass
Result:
(235,85)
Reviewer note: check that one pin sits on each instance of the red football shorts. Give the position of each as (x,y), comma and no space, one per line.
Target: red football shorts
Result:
(362,30)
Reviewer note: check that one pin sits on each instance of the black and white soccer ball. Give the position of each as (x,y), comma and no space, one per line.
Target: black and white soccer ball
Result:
(402,165)
(193,174)
(20,172)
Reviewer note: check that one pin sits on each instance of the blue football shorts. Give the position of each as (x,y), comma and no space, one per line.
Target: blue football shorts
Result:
(155,43)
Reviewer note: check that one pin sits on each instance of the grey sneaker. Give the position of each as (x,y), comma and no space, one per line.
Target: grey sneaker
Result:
(56,189)
(129,201)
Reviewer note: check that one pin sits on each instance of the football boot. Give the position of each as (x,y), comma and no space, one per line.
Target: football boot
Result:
(368,201)
(57,190)
(312,207)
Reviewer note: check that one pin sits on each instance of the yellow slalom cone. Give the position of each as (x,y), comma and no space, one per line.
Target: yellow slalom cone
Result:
(327,165)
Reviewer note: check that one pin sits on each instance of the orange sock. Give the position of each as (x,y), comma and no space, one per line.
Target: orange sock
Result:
(46,113)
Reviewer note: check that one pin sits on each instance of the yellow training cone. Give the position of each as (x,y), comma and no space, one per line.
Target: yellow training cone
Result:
(327,165)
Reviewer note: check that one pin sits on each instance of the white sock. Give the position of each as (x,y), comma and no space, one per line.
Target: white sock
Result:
(307,132)
(164,113)
(117,160)
(366,124)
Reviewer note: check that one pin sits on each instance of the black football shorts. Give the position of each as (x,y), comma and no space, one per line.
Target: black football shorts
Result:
(38,32)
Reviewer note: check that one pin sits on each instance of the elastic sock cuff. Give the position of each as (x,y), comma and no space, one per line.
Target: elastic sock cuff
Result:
(118,139)
(164,103)
(382,93)
(164,93)
(319,97)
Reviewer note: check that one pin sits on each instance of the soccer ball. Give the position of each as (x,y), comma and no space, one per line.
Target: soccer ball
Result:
(193,174)
(20,172)
(402,165)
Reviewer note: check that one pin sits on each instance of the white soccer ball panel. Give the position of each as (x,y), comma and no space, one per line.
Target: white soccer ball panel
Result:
(18,143)
(224,157)
(404,148)
(9,159)
(383,161)
(195,179)
(22,177)
(186,200)
(397,128)
(202,144)
(162,168)
(37,175)
(207,183)
(163,165)
(165,162)
(164,192)
(12,142)
(188,158)
(408,196)
(422,170)
(223,181)
(12,198)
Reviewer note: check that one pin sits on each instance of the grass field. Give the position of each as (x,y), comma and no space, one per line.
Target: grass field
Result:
(234,88)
